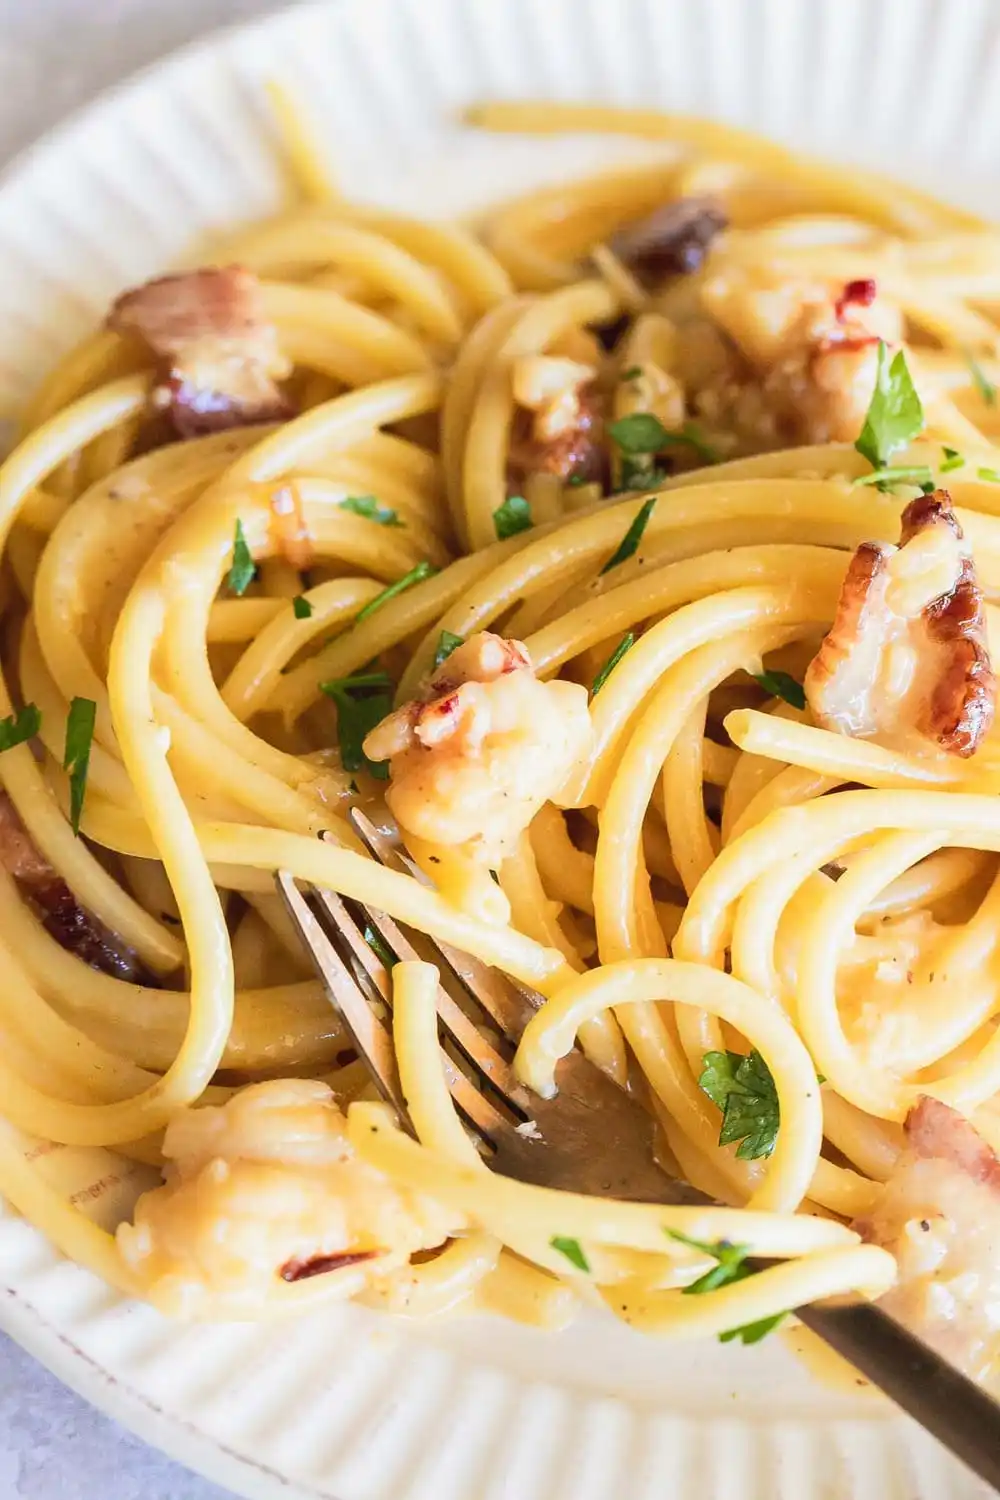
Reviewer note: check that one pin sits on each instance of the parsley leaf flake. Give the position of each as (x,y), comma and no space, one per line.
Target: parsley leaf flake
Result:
(243,567)
(76,757)
(512,517)
(371,509)
(625,644)
(782,685)
(743,1088)
(362,701)
(19,727)
(415,575)
(895,415)
(629,543)
(448,642)
(573,1251)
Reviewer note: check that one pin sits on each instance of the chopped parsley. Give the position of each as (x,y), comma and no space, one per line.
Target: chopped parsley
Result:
(952,460)
(752,1333)
(379,947)
(415,575)
(242,569)
(512,517)
(448,642)
(76,756)
(629,543)
(744,1090)
(895,415)
(919,474)
(625,644)
(18,727)
(989,476)
(302,607)
(636,474)
(573,1251)
(980,379)
(634,372)
(642,432)
(371,509)
(731,1267)
(362,701)
(782,685)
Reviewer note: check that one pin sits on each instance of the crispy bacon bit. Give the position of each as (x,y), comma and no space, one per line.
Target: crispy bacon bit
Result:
(219,354)
(856,294)
(318,1265)
(577,453)
(936,1132)
(73,927)
(939,1214)
(289,528)
(672,241)
(907,659)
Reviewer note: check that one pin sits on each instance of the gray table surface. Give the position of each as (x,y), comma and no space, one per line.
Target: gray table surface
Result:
(54,55)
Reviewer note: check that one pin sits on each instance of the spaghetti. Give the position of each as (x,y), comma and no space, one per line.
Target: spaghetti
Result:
(616,423)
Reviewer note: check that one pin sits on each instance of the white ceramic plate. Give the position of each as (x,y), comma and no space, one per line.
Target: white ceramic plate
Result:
(349,1404)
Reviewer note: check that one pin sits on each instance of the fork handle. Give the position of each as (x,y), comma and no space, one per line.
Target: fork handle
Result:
(957,1411)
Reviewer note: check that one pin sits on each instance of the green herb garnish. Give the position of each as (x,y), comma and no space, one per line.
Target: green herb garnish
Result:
(242,568)
(302,607)
(512,517)
(636,474)
(980,379)
(895,416)
(362,701)
(573,1251)
(731,1267)
(634,372)
(76,756)
(752,1333)
(918,474)
(379,947)
(643,432)
(744,1090)
(448,642)
(371,509)
(18,727)
(629,543)
(952,460)
(989,476)
(625,644)
(415,575)
(782,685)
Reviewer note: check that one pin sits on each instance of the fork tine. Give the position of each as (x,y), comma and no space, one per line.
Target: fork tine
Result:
(508,1005)
(370,1036)
(463,1031)
(489,1062)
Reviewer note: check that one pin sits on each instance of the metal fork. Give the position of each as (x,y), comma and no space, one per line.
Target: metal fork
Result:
(593,1137)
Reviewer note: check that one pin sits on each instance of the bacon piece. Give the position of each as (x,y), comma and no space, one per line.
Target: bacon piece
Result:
(218,353)
(671,241)
(73,927)
(577,452)
(939,1214)
(318,1265)
(861,293)
(907,658)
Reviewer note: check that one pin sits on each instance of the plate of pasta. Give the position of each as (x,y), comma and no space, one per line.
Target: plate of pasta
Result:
(487,418)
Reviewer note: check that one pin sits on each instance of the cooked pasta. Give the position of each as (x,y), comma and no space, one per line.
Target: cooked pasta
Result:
(574,540)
